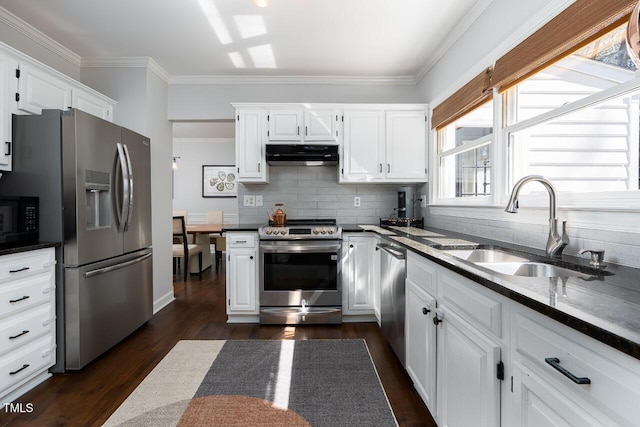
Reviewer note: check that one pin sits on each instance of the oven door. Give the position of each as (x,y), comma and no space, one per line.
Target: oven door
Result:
(297,270)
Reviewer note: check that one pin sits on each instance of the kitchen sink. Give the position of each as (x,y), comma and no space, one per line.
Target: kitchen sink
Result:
(531,269)
(486,255)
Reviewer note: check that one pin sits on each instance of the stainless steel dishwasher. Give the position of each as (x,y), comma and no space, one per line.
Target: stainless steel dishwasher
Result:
(392,289)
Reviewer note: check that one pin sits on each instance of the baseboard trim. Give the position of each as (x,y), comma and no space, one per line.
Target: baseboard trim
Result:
(163,301)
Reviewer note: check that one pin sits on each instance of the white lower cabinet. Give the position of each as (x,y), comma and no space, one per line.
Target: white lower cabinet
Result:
(553,374)
(420,335)
(564,378)
(27,321)
(242,277)
(359,280)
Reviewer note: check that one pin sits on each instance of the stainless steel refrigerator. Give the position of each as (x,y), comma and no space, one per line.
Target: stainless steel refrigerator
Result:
(93,180)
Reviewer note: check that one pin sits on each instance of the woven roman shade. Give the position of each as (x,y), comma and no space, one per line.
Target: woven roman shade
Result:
(575,27)
(467,98)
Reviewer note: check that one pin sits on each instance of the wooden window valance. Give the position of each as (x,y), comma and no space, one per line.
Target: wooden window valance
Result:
(573,28)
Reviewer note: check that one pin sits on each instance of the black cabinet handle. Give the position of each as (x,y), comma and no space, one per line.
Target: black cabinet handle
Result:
(555,362)
(19,299)
(425,310)
(436,320)
(8,152)
(251,257)
(25,332)
(25,366)
(352,246)
(18,270)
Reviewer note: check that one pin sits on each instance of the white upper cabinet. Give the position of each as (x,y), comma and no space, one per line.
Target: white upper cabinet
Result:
(384,146)
(299,125)
(363,146)
(250,154)
(39,90)
(7,77)
(321,125)
(284,125)
(406,148)
(92,104)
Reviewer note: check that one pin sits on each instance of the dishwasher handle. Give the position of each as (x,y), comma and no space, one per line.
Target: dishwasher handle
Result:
(392,250)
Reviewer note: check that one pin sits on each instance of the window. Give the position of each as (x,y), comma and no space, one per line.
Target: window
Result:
(464,151)
(576,122)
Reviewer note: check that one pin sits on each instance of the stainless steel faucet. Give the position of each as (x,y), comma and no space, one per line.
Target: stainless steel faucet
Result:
(555,242)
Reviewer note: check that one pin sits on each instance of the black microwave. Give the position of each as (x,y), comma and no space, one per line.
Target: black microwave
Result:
(19,220)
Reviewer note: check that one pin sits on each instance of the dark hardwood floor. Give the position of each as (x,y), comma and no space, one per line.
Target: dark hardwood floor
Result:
(90,396)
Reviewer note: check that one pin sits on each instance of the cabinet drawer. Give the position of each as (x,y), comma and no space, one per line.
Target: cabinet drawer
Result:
(25,293)
(422,272)
(476,306)
(15,266)
(241,240)
(24,327)
(26,361)
(614,377)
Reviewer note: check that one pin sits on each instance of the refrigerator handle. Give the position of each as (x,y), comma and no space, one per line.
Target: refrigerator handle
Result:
(130,177)
(122,205)
(111,268)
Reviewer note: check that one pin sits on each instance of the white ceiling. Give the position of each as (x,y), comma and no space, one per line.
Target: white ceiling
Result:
(348,38)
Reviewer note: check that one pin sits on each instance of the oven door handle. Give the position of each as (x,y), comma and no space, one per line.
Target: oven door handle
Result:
(297,248)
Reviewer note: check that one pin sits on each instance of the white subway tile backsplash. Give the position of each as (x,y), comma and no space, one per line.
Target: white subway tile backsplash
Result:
(313,192)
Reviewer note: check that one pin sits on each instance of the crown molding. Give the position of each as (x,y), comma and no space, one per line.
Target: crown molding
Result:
(453,36)
(126,62)
(294,80)
(38,36)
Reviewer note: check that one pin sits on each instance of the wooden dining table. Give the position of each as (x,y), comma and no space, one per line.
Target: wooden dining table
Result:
(201,234)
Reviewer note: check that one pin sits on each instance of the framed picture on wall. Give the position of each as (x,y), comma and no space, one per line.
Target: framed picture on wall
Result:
(219,181)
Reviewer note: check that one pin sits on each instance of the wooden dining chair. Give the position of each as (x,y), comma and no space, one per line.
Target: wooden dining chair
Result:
(184,250)
(217,217)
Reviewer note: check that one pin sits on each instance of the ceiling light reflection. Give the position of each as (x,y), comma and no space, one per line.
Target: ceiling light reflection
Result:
(250,25)
(262,56)
(237,60)
(215,20)
(261,3)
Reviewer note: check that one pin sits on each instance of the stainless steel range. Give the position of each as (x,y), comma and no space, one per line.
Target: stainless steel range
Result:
(300,272)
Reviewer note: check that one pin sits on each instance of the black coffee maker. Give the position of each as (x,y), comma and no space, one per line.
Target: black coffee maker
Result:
(406,199)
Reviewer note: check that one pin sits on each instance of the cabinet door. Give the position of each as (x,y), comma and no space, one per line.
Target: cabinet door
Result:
(363,146)
(468,388)
(406,145)
(420,333)
(250,154)
(7,82)
(360,259)
(539,404)
(39,90)
(242,284)
(321,125)
(89,103)
(285,125)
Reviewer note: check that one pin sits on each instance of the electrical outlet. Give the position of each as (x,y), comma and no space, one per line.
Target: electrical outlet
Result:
(259,200)
(356,201)
(249,200)
(423,202)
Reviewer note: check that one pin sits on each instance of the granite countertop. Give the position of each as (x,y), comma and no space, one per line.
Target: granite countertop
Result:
(603,305)
(24,247)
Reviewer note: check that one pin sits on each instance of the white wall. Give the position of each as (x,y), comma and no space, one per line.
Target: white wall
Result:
(213,101)
(194,153)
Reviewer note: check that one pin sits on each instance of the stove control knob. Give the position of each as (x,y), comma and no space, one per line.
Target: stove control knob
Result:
(267,231)
(331,231)
(315,231)
(323,231)
(283,232)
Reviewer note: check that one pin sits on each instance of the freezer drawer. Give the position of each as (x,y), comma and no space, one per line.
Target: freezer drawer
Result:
(104,303)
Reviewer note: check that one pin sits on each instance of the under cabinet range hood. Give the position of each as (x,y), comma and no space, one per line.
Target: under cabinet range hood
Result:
(302,155)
